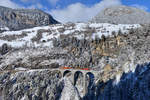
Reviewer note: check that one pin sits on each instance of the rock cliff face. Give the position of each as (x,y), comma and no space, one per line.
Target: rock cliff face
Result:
(16,19)
(122,15)
(132,86)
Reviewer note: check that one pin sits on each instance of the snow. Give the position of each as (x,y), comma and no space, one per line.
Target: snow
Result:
(100,29)
(20,69)
(80,26)
(46,36)
(11,33)
(68,32)
(107,29)
(72,94)
(24,98)
(4,28)
(117,79)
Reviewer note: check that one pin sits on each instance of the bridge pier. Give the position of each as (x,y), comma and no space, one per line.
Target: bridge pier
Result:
(72,78)
(71,75)
(85,84)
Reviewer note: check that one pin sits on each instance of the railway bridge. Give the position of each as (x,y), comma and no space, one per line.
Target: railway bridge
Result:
(84,78)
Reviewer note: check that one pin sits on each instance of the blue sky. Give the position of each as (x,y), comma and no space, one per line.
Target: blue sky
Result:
(144,3)
(73,10)
(64,3)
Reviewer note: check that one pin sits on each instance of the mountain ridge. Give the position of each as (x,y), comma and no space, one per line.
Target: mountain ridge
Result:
(122,15)
(17,19)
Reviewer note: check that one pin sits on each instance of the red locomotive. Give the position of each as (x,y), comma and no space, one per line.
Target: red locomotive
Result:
(74,68)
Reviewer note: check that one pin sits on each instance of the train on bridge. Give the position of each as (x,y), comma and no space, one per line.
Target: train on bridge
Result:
(87,69)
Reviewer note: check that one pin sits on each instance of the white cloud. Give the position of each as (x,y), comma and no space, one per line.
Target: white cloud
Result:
(79,12)
(33,1)
(53,2)
(9,3)
(140,7)
(36,6)
(39,6)
(24,0)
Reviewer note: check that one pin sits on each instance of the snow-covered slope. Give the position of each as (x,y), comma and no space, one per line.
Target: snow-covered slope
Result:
(43,36)
(4,28)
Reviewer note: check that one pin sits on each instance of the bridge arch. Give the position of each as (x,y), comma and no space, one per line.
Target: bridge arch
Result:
(89,76)
(78,77)
(67,73)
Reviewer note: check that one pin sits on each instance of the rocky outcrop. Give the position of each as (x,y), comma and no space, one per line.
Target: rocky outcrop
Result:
(122,15)
(131,86)
(16,19)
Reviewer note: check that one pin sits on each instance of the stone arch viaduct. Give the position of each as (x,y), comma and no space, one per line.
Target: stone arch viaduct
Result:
(89,77)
